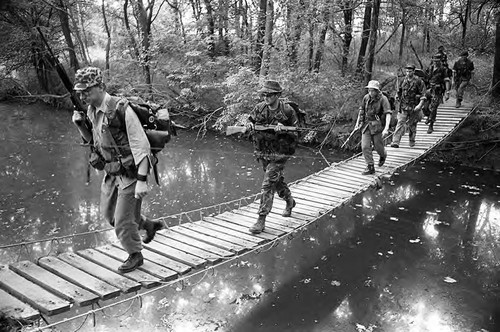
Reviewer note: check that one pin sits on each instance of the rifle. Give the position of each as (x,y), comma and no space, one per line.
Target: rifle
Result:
(230,130)
(348,138)
(67,83)
(416,55)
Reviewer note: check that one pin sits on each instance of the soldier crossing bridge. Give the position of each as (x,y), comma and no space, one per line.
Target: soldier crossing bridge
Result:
(49,286)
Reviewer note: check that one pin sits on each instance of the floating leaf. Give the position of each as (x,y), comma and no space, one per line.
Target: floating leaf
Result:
(335,283)
(417,240)
(394,219)
(450,280)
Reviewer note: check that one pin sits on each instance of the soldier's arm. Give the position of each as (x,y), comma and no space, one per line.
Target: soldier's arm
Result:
(386,106)
(421,92)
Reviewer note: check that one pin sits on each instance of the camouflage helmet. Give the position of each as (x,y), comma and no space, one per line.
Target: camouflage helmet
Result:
(437,57)
(87,77)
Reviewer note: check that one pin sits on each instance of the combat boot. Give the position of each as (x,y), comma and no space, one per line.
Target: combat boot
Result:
(382,159)
(290,204)
(459,103)
(133,262)
(370,169)
(431,128)
(151,228)
(259,226)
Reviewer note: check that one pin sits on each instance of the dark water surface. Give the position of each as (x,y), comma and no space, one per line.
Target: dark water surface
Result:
(420,254)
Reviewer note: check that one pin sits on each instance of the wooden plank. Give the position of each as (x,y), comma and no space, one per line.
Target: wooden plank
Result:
(34,295)
(299,208)
(217,220)
(217,235)
(175,254)
(310,201)
(308,195)
(343,177)
(271,220)
(343,180)
(107,262)
(54,284)
(150,267)
(12,308)
(297,216)
(249,220)
(331,183)
(126,285)
(212,241)
(245,234)
(189,249)
(78,277)
(345,172)
(341,194)
(173,236)
(171,264)
(277,217)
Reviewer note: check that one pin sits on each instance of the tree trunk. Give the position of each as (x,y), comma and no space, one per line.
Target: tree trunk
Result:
(63,17)
(261,30)
(495,83)
(144,27)
(76,31)
(364,36)
(403,32)
(373,41)
(108,41)
(348,15)
(268,39)
(311,45)
(295,22)
(465,20)
(211,28)
(321,40)
(133,43)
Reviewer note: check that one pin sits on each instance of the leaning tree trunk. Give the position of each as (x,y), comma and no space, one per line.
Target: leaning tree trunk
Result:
(465,19)
(364,37)
(211,28)
(63,17)
(403,32)
(373,41)
(495,83)
(144,27)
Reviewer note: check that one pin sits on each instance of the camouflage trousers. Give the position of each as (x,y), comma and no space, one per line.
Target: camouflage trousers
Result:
(407,122)
(274,182)
(436,99)
(460,86)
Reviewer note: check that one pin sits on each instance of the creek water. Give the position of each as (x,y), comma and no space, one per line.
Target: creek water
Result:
(420,254)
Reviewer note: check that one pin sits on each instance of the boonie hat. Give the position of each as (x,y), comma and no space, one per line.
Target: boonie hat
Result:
(410,66)
(87,77)
(271,87)
(464,53)
(373,85)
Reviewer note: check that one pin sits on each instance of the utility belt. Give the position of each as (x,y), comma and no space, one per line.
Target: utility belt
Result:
(123,166)
(436,88)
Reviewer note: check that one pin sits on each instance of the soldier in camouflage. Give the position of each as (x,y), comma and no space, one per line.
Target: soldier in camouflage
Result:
(438,84)
(411,97)
(272,149)
(463,72)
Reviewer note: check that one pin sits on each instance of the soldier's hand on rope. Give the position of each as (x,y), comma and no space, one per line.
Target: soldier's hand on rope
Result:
(447,95)
(141,189)
(385,133)
(77,117)
(279,127)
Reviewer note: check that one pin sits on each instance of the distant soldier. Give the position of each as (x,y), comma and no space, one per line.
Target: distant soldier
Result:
(411,96)
(373,108)
(439,84)
(463,72)
(444,56)
(272,149)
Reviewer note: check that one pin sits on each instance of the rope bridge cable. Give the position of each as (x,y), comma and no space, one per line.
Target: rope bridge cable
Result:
(256,249)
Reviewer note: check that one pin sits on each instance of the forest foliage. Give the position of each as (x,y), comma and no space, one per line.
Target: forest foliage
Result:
(206,58)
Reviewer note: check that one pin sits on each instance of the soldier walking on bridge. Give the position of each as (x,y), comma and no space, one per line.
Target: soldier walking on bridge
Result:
(371,112)
(463,72)
(122,150)
(272,148)
(411,97)
(438,84)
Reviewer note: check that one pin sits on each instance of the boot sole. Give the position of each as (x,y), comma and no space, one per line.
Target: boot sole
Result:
(132,268)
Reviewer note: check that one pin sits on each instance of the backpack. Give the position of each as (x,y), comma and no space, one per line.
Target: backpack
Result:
(392,103)
(301,115)
(155,120)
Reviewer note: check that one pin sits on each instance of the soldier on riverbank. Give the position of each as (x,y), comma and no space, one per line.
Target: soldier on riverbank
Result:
(272,149)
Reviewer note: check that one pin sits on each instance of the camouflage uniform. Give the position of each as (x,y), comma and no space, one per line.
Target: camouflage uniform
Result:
(463,69)
(410,93)
(437,76)
(272,150)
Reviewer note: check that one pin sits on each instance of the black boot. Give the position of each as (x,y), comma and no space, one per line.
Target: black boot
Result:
(290,204)
(151,228)
(431,128)
(133,262)
(459,103)
(381,160)
(370,169)
(259,226)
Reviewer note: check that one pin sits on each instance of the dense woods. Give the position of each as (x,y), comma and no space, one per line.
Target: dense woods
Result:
(205,58)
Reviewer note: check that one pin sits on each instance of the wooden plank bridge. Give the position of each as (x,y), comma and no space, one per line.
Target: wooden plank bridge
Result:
(53,284)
